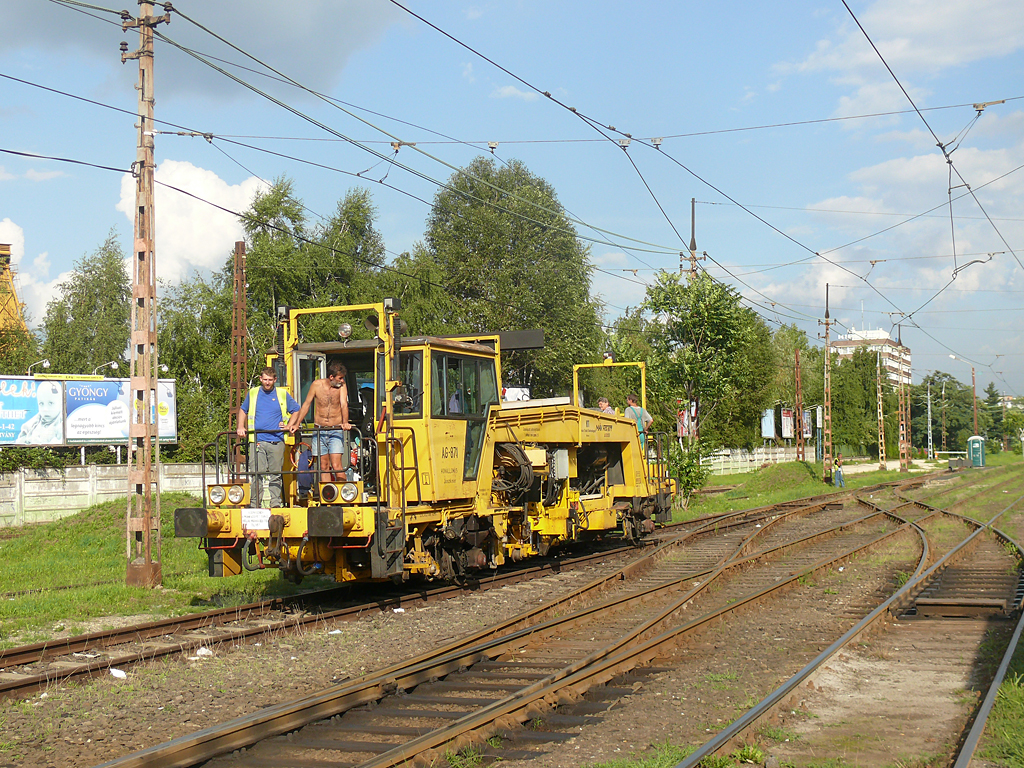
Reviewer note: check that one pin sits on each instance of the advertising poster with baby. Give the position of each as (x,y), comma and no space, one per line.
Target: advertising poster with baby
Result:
(31,412)
(99,411)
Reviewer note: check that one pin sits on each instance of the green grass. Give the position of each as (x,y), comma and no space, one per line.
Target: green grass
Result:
(1002,742)
(662,755)
(775,484)
(72,571)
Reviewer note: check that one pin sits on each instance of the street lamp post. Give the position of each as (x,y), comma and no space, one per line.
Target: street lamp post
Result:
(113,366)
(974,391)
(44,362)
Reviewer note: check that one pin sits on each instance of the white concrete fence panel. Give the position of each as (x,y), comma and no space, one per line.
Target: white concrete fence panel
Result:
(40,495)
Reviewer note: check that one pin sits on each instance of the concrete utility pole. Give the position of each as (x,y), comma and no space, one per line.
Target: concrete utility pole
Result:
(943,417)
(799,413)
(931,448)
(881,411)
(904,456)
(827,418)
(143,517)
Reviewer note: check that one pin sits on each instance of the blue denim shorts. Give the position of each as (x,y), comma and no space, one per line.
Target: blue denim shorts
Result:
(329,441)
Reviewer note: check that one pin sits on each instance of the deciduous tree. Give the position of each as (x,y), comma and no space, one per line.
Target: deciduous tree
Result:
(511,260)
(87,324)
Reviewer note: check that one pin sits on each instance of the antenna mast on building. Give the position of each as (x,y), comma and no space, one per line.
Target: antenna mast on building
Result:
(143,518)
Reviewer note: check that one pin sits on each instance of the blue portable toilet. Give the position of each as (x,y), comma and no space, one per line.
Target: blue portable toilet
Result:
(976,450)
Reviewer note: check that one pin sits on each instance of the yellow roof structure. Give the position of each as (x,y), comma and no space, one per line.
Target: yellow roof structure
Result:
(11,314)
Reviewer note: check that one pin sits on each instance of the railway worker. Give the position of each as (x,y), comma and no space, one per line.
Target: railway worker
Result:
(331,398)
(638,414)
(604,406)
(837,473)
(265,413)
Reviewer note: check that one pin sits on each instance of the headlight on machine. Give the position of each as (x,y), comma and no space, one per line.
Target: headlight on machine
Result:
(235,494)
(349,491)
(217,494)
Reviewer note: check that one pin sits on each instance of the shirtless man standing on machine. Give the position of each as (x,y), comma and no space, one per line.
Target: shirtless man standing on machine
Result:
(331,418)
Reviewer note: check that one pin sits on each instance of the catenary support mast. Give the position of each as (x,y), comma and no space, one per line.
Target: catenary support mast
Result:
(827,405)
(143,517)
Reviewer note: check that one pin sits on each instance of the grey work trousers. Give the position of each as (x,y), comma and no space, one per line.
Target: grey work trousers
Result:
(265,462)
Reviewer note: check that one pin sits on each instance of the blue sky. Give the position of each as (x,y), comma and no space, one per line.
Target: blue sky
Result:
(689,73)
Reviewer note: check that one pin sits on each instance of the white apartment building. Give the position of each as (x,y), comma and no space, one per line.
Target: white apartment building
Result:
(895,357)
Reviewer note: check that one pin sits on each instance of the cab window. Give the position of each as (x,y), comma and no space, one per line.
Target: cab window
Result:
(462,386)
(410,376)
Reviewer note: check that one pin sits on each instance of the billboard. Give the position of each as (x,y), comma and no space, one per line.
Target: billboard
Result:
(768,424)
(807,424)
(98,412)
(78,411)
(31,412)
(787,423)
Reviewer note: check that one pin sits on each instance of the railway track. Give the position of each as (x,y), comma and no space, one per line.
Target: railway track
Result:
(38,666)
(33,667)
(920,689)
(486,685)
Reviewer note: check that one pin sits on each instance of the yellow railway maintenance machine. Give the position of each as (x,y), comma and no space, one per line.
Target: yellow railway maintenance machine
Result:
(442,479)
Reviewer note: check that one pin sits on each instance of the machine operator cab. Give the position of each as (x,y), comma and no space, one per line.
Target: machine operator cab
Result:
(428,397)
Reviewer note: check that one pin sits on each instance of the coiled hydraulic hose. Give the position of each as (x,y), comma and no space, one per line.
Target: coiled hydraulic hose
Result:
(298,559)
(245,555)
(515,471)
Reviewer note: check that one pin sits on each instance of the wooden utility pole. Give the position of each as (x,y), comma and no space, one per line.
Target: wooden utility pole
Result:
(881,412)
(827,405)
(799,413)
(143,517)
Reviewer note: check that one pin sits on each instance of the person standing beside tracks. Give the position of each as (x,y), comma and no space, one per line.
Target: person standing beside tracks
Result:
(265,413)
(331,398)
(638,414)
(837,472)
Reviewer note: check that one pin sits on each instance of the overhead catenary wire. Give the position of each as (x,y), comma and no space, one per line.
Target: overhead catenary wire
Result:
(383,161)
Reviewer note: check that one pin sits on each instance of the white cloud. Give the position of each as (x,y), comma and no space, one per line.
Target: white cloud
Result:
(33,175)
(467,72)
(4,175)
(511,92)
(922,36)
(32,284)
(875,98)
(190,234)
(311,41)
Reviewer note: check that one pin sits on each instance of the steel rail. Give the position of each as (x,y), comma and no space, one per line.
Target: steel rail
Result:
(242,732)
(571,683)
(977,730)
(732,734)
(166,628)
